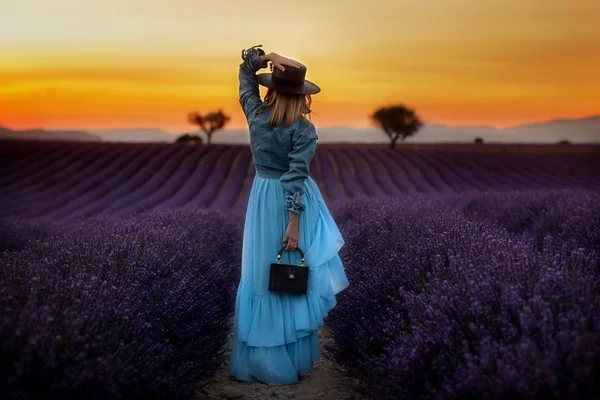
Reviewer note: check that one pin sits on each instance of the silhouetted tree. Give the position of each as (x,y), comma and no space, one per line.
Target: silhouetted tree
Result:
(478,140)
(564,142)
(397,122)
(209,123)
(189,139)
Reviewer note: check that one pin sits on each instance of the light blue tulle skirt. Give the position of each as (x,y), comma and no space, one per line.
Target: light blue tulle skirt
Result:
(276,334)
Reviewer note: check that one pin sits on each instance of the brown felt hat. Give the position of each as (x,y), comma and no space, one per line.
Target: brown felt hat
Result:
(289,81)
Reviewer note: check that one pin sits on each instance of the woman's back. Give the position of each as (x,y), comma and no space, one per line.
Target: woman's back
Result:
(271,146)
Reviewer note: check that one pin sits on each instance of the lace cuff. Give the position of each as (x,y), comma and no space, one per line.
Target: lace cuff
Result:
(294,202)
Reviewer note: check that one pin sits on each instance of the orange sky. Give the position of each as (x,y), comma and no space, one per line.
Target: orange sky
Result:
(123,64)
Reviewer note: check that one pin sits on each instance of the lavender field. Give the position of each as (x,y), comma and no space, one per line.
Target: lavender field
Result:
(68,180)
(474,270)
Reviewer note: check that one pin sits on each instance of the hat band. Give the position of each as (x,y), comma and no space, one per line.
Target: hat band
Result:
(278,81)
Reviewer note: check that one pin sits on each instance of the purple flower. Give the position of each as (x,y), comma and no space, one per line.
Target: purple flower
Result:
(444,305)
(133,309)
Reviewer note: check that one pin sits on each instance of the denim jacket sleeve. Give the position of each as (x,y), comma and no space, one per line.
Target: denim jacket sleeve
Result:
(303,150)
(249,93)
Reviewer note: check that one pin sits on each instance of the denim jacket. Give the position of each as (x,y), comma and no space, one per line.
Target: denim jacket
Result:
(277,152)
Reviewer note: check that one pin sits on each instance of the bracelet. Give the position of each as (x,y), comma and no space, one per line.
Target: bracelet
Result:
(247,52)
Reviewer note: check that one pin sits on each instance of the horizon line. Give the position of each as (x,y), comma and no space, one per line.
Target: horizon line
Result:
(533,122)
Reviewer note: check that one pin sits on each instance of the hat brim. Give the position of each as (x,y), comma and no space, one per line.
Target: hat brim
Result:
(307,88)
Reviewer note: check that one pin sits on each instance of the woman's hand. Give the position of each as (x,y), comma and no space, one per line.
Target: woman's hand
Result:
(281,62)
(291,233)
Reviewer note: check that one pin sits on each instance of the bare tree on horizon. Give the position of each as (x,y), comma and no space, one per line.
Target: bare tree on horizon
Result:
(397,122)
(209,123)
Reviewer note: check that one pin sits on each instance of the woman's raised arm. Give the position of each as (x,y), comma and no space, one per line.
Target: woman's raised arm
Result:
(254,59)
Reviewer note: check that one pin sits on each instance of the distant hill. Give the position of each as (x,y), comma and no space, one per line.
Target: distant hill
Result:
(589,122)
(42,134)
(136,135)
(584,130)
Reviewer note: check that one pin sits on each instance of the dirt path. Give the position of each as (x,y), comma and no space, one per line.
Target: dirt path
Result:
(325,381)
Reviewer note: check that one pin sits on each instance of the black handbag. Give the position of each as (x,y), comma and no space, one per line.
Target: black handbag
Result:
(288,278)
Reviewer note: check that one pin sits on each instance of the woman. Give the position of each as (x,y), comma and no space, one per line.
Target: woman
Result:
(276,334)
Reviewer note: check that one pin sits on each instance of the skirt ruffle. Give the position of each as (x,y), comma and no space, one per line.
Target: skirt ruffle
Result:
(276,334)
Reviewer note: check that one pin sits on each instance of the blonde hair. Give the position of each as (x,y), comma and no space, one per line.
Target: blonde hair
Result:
(290,106)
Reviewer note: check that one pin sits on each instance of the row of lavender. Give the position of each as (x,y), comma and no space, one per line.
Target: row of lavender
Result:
(471,296)
(116,309)
(62,180)
(489,296)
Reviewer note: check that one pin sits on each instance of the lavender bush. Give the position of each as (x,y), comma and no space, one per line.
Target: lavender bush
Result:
(17,232)
(443,307)
(566,215)
(120,310)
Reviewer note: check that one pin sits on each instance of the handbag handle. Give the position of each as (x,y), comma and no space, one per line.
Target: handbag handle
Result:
(297,248)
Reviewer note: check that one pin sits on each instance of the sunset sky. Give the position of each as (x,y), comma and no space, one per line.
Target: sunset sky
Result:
(83,64)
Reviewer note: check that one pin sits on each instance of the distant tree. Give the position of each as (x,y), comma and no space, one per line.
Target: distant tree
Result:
(209,123)
(397,122)
(189,139)
(564,142)
(478,140)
